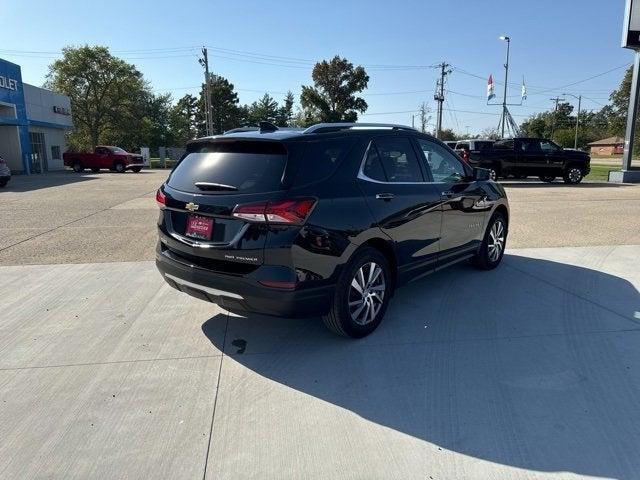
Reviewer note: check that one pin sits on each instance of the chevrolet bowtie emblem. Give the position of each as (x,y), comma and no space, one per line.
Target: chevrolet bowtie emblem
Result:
(192,207)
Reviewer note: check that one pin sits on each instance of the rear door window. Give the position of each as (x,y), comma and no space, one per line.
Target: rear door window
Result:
(398,159)
(246,166)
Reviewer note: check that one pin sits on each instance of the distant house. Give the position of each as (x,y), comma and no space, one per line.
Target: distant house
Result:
(607,146)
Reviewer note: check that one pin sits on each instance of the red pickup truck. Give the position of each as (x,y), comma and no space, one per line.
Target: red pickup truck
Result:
(113,158)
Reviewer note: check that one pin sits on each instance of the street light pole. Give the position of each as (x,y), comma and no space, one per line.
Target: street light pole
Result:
(506,79)
(579,98)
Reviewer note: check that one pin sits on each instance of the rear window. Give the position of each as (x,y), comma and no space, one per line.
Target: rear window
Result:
(462,146)
(250,167)
(482,146)
(321,159)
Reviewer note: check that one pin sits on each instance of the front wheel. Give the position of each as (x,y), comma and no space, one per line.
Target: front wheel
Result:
(572,175)
(493,244)
(120,167)
(77,167)
(362,295)
(547,178)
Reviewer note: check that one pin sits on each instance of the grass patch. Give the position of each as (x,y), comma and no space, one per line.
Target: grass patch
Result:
(600,173)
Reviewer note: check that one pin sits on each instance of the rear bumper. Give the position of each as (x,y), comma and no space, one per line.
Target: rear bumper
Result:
(243,293)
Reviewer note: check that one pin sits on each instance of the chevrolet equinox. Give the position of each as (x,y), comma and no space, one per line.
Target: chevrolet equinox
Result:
(326,221)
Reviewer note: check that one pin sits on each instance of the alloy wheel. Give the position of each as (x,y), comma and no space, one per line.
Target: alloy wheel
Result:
(575,175)
(495,244)
(366,293)
(493,174)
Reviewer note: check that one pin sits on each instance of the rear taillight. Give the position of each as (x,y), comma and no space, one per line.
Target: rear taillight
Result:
(161,199)
(465,155)
(289,212)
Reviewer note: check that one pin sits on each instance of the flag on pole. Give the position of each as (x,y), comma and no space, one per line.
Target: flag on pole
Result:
(490,89)
(524,90)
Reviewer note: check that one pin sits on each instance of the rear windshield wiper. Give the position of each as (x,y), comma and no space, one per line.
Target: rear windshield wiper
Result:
(215,186)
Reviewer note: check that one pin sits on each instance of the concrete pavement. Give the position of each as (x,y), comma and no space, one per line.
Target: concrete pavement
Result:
(530,370)
(111,217)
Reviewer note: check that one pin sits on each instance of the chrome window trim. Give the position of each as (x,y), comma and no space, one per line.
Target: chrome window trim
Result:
(364,177)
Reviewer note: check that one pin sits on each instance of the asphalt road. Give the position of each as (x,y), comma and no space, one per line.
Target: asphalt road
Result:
(527,371)
(110,217)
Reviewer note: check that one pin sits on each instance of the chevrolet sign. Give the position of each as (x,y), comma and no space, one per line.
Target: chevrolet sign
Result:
(8,83)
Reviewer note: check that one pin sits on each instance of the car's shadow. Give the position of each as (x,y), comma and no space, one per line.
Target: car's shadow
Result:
(533,365)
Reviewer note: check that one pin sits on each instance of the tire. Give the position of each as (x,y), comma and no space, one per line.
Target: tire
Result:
(487,257)
(494,174)
(136,169)
(3,183)
(95,170)
(77,167)
(119,167)
(546,178)
(350,314)
(572,175)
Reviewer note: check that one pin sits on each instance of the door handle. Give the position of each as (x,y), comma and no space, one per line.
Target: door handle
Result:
(448,194)
(384,196)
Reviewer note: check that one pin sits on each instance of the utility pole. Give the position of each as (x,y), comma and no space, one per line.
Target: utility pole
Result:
(555,111)
(439,96)
(204,61)
(579,98)
(506,80)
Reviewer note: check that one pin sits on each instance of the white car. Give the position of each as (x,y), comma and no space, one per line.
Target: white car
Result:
(5,173)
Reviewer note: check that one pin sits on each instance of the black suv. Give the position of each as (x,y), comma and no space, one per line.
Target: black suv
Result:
(326,221)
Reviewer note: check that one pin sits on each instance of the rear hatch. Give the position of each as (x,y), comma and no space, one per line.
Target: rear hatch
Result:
(202,192)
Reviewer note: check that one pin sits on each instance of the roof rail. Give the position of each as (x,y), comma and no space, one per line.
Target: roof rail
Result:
(334,127)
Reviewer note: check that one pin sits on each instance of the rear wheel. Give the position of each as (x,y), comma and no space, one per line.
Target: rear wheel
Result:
(362,295)
(572,175)
(493,245)
(136,169)
(77,167)
(119,167)
(493,173)
(546,178)
(3,183)
(95,170)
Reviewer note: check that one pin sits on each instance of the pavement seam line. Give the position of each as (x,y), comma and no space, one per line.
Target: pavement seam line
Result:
(215,399)
(114,362)
(72,221)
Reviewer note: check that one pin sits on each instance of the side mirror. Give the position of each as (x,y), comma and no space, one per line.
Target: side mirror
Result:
(481,174)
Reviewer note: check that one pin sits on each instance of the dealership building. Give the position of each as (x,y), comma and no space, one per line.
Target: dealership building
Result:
(33,122)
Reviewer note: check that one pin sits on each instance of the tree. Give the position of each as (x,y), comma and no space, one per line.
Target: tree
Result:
(107,94)
(264,109)
(447,134)
(284,116)
(333,96)
(225,112)
(425,116)
(491,133)
(183,119)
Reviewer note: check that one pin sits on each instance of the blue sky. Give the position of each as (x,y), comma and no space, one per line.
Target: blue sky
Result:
(271,46)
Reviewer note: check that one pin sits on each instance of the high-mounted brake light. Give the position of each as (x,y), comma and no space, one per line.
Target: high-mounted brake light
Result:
(288,212)
(161,199)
